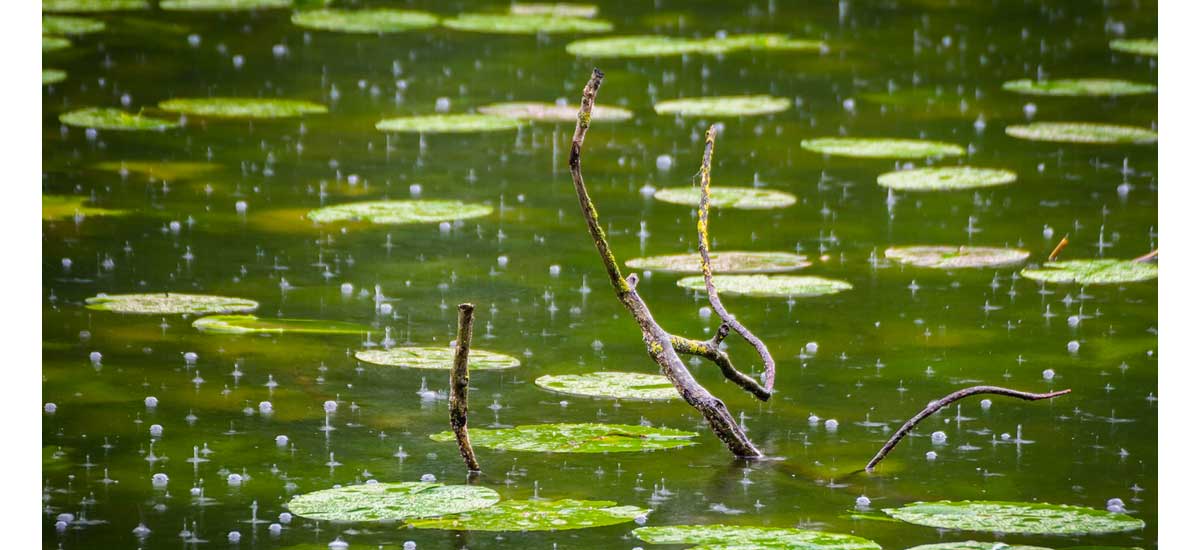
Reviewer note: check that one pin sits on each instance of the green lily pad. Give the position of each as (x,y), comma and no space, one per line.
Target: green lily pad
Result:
(448,124)
(552,9)
(53,76)
(60,207)
(662,46)
(242,107)
(65,24)
(1079,87)
(956,257)
(617,385)
(1093,272)
(1026,518)
(90,6)
(882,148)
(723,106)
(159,170)
(54,43)
(766,286)
(170,303)
(973,545)
(103,118)
(541,111)
(370,21)
(723,262)
(576,438)
(399,212)
(947,178)
(536,515)
(249,324)
(739,537)
(1082,132)
(223,5)
(525,23)
(741,198)
(1136,46)
(391,501)
(435,358)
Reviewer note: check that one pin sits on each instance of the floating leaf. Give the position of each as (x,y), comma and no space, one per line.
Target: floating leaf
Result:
(242,107)
(83,6)
(956,257)
(532,110)
(223,5)
(723,106)
(882,148)
(1136,46)
(617,385)
(435,358)
(248,324)
(448,124)
(738,537)
(660,46)
(951,178)
(536,515)
(723,262)
(576,438)
(741,198)
(973,545)
(766,286)
(372,21)
(1026,518)
(159,170)
(525,23)
(399,212)
(113,119)
(54,43)
(1079,87)
(556,10)
(58,207)
(1093,272)
(169,303)
(53,76)
(65,24)
(391,501)
(1082,132)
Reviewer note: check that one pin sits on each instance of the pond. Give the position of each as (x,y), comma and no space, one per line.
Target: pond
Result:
(161,431)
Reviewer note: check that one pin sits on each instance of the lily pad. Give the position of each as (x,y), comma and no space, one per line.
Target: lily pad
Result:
(541,111)
(525,23)
(370,21)
(536,515)
(973,545)
(391,501)
(947,178)
(242,107)
(223,5)
(53,76)
(1093,272)
(448,124)
(882,148)
(552,9)
(741,198)
(65,24)
(1136,46)
(435,358)
(576,438)
(1027,518)
(399,212)
(1079,87)
(159,170)
(956,257)
(766,286)
(54,43)
(59,207)
(170,303)
(723,106)
(89,6)
(113,119)
(661,46)
(249,324)
(617,385)
(738,537)
(1082,132)
(723,262)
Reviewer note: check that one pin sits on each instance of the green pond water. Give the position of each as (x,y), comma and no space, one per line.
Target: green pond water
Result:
(901,337)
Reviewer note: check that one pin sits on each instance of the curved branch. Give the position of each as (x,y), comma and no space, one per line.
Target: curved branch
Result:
(710,349)
(459,383)
(940,403)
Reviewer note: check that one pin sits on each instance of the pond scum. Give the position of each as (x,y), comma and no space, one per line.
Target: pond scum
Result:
(258,215)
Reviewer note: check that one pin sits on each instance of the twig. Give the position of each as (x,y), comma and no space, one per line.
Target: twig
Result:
(1061,245)
(658,342)
(706,266)
(460,378)
(937,405)
(711,350)
(1147,256)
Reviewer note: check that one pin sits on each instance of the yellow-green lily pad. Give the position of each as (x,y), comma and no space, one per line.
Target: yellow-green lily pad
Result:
(543,111)
(946,178)
(882,148)
(242,107)
(525,23)
(616,385)
(448,124)
(60,207)
(554,9)
(734,261)
(104,118)
(91,6)
(723,106)
(416,357)
(1079,87)
(1082,132)
(740,198)
(662,46)
(1093,272)
(159,170)
(767,286)
(170,303)
(956,257)
(536,515)
(751,537)
(1136,46)
(54,43)
(53,76)
(399,212)
(391,501)
(974,545)
(249,324)
(576,438)
(223,5)
(367,21)
(65,24)
(1025,518)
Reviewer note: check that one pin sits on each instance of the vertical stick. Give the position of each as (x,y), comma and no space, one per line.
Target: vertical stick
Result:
(459,380)
(1058,249)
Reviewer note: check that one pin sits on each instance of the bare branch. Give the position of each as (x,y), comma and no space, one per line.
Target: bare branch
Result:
(1061,245)
(711,350)
(1153,254)
(459,381)
(940,403)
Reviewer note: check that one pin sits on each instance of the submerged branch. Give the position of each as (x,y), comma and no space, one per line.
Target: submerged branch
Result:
(1153,254)
(459,381)
(940,403)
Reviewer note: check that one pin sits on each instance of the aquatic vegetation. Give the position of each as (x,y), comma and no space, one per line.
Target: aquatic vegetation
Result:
(956,257)
(750,537)
(517,23)
(973,545)
(65,24)
(740,198)
(767,286)
(576,438)
(723,262)
(86,6)
(1079,87)
(541,111)
(662,46)
(1092,272)
(60,207)
(1082,132)
(946,178)
(159,170)
(723,106)
(53,76)
(54,43)
(366,21)
(399,212)
(616,385)
(170,303)
(435,358)
(242,107)
(1030,518)
(223,5)
(882,148)
(536,515)
(391,501)
(249,324)
(1136,46)
(560,9)
(449,124)
(102,118)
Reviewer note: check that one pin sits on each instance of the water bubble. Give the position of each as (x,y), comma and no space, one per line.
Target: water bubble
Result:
(831,425)
(281,440)
(238,61)
(174,226)
(810,347)
(275,529)
(156,430)
(414,190)
(1073,346)
(385,309)
(141,531)
(66,263)
(279,50)
(1048,374)
(285,518)
(664,162)
(347,288)
(555,270)
(862,502)
(330,406)
(193,40)
(848,104)
(442,105)
(50,408)
(930,455)
(502,261)
(1073,321)
(240,207)
(813,419)
(190,357)
(410,545)
(444,227)
(1030,110)
(95,356)
(159,480)
(938,437)
(234,537)
(234,479)
(265,407)
(985,404)
(705,312)
(151,402)
(338,544)
(1115,505)
(428,478)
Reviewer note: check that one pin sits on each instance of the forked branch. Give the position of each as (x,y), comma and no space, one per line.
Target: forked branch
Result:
(460,380)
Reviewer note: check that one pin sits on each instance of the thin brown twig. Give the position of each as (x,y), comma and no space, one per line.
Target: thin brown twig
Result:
(1061,245)
(1153,254)
(460,380)
(940,403)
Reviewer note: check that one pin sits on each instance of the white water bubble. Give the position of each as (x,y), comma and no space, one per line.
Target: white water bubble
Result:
(285,518)
(831,425)
(705,312)
(281,440)
(66,263)
(95,356)
(444,227)
(275,529)
(442,105)
(555,270)
(190,357)
(1073,346)
(414,190)
(151,402)
(664,162)
(330,406)
(862,502)
(265,407)
(1048,374)
(234,537)
(810,347)
(938,437)
(428,478)
(502,261)
(347,288)
(930,455)
(240,207)
(156,430)
(194,40)
(234,479)
(985,404)
(50,408)
(159,480)
(385,309)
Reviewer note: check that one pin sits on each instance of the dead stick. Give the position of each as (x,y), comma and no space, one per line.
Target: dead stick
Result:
(1147,256)
(460,378)
(1061,245)
(940,403)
